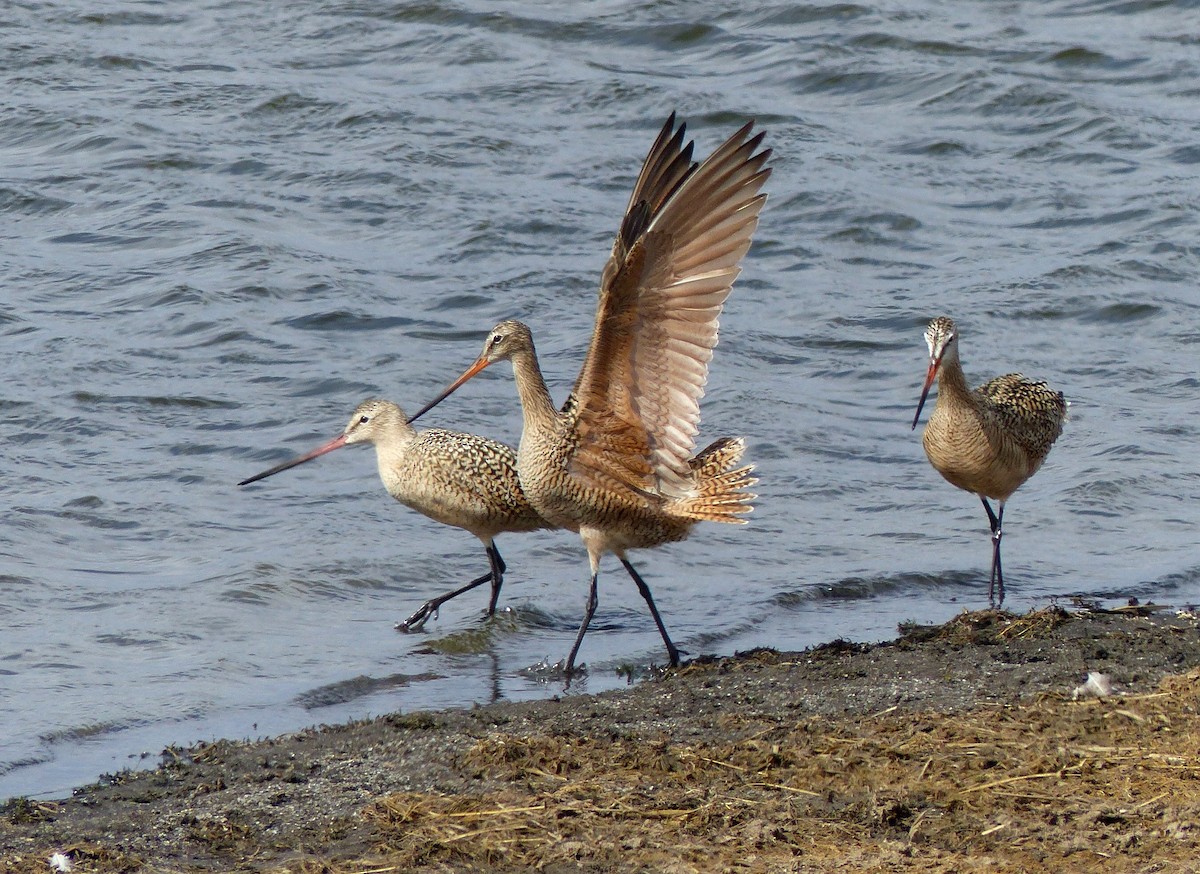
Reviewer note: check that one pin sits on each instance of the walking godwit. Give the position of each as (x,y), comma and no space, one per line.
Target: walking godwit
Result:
(614,464)
(990,440)
(462,480)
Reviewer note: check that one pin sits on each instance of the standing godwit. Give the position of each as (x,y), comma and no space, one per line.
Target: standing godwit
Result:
(615,464)
(990,440)
(459,479)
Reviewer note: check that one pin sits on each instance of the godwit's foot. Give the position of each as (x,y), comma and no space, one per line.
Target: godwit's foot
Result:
(575,672)
(659,671)
(430,607)
(417,621)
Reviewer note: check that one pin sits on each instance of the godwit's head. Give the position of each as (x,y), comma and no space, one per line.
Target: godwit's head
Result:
(504,341)
(942,338)
(372,420)
(507,339)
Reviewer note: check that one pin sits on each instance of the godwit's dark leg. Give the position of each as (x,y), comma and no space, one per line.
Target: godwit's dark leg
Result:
(589,612)
(662,629)
(996,584)
(498,569)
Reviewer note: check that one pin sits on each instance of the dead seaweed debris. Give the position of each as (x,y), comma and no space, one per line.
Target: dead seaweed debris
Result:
(1112,782)
(985,627)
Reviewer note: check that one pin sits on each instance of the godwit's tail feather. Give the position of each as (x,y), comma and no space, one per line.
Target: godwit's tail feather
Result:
(721,489)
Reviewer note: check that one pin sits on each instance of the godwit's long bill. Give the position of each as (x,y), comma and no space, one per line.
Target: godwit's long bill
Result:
(615,463)
(459,479)
(988,441)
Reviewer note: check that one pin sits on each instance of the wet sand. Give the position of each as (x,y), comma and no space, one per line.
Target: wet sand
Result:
(953,748)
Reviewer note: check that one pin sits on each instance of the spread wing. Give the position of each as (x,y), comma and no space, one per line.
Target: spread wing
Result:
(672,266)
(667,164)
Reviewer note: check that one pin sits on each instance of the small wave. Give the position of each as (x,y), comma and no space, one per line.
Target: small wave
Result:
(867,587)
(186,403)
(345,691)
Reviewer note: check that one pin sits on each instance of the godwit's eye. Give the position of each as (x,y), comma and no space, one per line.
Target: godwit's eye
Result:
(364,420)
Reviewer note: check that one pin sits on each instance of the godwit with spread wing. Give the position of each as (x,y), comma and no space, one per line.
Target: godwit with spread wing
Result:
(615,463)
(462,480)
(990,440)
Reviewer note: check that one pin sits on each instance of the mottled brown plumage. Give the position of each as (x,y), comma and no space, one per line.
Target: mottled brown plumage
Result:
(458,479)
(988,441)
(615,463)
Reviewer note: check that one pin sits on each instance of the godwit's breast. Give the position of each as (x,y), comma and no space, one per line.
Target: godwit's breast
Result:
(972,451)
(460,479)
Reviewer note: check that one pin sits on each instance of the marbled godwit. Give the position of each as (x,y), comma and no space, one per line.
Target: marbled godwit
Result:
(614,464)
(990,440)
(462,480)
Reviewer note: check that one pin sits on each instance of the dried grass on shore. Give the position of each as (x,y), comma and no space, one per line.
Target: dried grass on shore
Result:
(1052,783)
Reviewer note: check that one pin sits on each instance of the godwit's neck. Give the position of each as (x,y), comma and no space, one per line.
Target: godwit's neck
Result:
(392,442)
(953,390)
(536,402)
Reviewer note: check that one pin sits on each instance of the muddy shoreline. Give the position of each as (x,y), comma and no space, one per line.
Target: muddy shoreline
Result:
(895,756)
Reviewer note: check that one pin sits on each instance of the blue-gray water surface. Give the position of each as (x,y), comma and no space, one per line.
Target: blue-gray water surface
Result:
(224,224)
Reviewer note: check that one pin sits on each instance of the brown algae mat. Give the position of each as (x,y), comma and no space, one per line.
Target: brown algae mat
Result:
(956,748)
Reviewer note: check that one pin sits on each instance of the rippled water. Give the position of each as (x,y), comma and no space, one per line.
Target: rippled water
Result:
(225,224)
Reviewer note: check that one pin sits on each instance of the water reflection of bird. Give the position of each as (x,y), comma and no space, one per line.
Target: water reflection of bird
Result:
(615,463)
(988,441)
(459,479)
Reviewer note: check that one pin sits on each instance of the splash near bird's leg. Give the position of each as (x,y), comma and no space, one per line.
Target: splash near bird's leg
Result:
(672,652)
(588,613)
(996,584)
(430,607)
(498,569)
